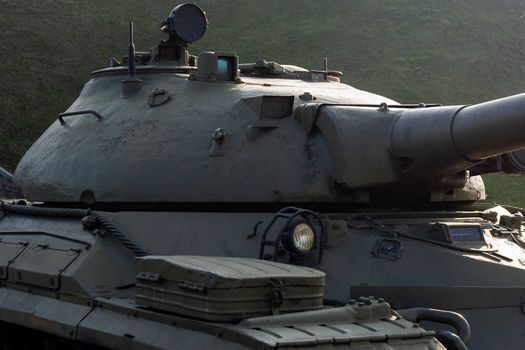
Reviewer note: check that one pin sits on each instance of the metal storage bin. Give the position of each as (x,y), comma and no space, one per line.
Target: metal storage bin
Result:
(226,289)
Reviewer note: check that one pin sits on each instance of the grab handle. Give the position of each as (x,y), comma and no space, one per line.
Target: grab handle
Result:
(84,112)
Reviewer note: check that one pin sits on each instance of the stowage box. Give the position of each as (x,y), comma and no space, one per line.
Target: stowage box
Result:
(226,289)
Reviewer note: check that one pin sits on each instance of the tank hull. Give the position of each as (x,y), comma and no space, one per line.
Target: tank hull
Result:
(97,297)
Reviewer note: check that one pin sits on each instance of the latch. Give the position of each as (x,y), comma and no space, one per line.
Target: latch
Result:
(276,296)
(148,276)
(192,286)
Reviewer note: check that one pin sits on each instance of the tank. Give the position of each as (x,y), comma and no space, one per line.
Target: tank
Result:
(196,202)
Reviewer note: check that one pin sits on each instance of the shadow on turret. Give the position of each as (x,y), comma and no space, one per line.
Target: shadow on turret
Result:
(8,189)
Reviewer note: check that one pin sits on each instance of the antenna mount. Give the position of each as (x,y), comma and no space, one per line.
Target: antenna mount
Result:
(132,83)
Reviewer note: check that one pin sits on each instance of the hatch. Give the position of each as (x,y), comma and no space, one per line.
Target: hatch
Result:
(42,264)
(9,250)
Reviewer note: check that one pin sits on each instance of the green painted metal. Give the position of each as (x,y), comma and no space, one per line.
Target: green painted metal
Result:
(181,166)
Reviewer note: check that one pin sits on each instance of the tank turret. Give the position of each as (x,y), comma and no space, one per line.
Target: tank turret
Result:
(168,127)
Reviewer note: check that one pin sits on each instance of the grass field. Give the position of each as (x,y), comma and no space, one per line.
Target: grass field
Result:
(505,189)
(446,51)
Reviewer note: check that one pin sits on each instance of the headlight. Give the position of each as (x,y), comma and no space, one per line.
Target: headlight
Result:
(299,239)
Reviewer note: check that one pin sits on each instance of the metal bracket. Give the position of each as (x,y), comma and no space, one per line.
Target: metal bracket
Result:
(390,249)
(217,140)
(158,97)
(255,229)
(276,296)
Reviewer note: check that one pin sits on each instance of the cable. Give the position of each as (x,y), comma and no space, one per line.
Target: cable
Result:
(118,234)
(101,219)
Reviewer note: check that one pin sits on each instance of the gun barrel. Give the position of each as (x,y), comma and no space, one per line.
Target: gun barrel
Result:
(435,142)
(491,128)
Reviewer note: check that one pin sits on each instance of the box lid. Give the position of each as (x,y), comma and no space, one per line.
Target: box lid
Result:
(223,272)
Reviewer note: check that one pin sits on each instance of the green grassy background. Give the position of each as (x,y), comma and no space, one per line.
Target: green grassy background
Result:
(446,51)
